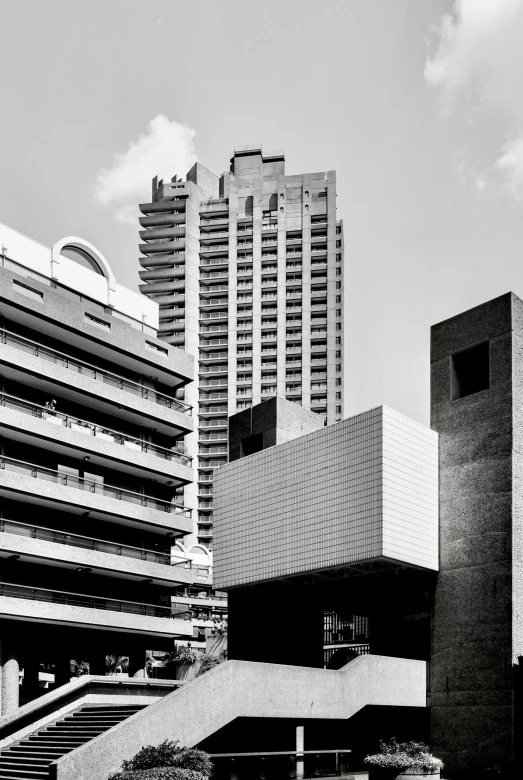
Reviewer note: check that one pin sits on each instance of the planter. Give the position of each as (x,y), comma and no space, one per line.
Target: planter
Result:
(106,436)
(186,671)
(81,428)
(377,773)
(133,445)
(54,420)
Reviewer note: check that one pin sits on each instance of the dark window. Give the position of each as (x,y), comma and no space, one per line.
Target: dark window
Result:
(252,444)
(471,371)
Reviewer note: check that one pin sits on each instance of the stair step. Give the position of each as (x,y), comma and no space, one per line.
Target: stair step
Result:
(24,774)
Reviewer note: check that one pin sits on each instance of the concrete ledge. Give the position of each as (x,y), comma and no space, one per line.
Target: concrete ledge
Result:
(105,562)
(67,615)
(95,388)
(121,457)
(250,690)
(41,490)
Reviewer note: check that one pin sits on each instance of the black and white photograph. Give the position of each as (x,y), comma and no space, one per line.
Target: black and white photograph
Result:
(261,390)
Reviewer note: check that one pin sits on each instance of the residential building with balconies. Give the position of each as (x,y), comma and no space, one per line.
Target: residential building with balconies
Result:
(91,459)
(247,270)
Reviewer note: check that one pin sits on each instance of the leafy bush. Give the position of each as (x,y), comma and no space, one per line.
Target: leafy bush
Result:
(160,773)
(405,755)
(209,662)
(167,761)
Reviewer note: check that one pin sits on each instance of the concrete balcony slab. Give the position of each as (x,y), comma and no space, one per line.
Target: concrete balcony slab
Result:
(80,443)
(101,391)
(47,490)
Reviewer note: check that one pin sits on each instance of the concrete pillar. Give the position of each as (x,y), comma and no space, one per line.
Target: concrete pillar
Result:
(10,682)
(300,758)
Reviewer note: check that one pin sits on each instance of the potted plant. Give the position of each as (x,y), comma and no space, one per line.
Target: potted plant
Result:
(184,658)
(405,760)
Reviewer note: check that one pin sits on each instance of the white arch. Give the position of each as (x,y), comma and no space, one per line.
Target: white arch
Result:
(85,246)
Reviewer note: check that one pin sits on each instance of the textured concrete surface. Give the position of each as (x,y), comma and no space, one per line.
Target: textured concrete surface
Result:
(74,443)
(249,690)
(50,491)
(94,559)
(65,614)
(274,421)
(13,358)
(362,489)
(478,613)
(130,344)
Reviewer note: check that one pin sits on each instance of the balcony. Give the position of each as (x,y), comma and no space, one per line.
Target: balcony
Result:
(220,204)
(210,343)
(213,236)
(214,369)
(214,261)
(213,289)
(214,315)
(69,549)
(50,606)
(61,360)
(214,275)
(205,223)
(63,432)
(204,249)
(79,494)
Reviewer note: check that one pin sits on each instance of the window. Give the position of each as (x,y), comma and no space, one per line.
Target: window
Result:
(81,257)
(36,295)
(156,348)
(97,322)
(470,371)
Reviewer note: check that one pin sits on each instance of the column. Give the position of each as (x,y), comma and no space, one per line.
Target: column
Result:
(10,681)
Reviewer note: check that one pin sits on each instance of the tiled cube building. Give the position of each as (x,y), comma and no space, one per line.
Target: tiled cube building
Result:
(362,490)
(300,523)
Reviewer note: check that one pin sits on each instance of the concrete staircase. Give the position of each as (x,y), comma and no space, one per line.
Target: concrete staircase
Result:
(29,759)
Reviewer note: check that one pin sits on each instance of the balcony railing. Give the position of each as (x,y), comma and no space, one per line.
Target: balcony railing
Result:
(90,429)
(81,367)
(91,486)
(90,543)
(66,598)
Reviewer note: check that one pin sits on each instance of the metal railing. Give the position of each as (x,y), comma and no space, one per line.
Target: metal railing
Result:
(90,543)
(91,486)
(90,429)
(82,367)
(66,598)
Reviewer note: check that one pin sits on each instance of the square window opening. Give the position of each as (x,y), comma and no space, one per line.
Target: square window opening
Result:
(471,371)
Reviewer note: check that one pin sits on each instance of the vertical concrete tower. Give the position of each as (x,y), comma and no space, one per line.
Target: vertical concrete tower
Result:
(247,270)
(477,410)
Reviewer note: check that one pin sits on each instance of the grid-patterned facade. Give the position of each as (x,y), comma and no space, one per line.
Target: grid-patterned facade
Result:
(247,269)
(360,490)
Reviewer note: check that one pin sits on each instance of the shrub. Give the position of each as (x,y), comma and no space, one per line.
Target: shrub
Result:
(404,755)
(209,662)
(159,773)
(182,763)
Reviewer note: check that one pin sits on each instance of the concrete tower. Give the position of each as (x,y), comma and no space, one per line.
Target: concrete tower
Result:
(477,410)
(247,271)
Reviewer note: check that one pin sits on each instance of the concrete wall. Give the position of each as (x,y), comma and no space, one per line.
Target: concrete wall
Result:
(240,689)
(477,623)
(329,499)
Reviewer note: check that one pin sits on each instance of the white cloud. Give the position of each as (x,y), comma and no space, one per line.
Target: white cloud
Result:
(478,60)
(165,149)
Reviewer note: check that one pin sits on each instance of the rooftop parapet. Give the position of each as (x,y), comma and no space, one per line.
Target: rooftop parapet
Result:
(77,265)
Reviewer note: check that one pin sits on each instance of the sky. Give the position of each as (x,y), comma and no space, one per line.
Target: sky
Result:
(417,105)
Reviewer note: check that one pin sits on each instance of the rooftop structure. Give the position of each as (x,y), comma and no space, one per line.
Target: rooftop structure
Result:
(247,270)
